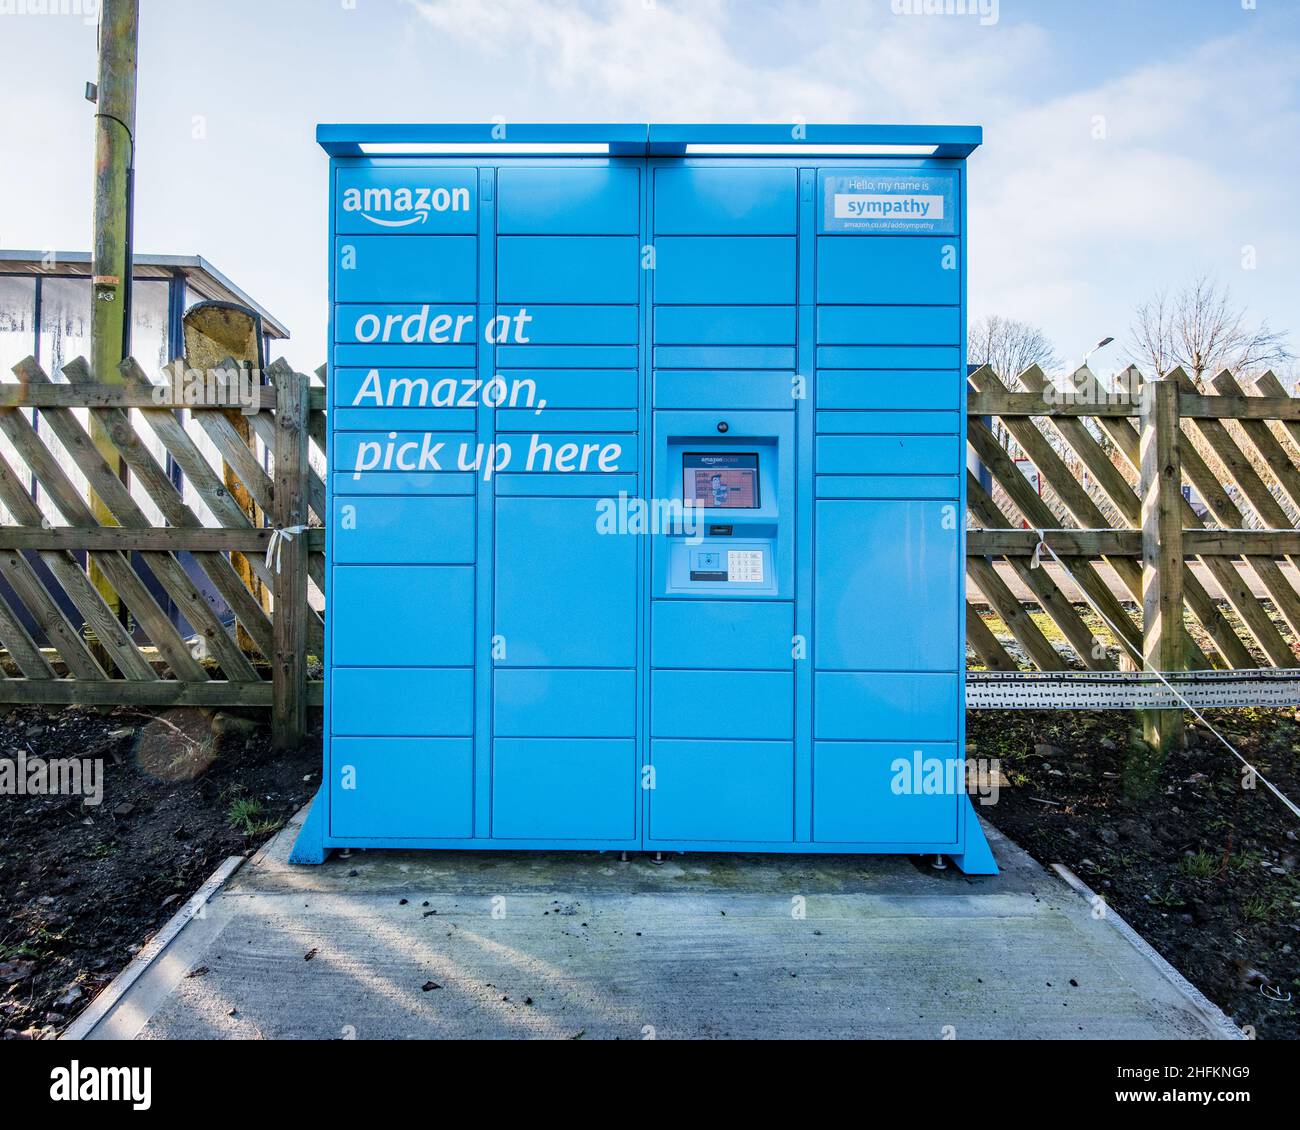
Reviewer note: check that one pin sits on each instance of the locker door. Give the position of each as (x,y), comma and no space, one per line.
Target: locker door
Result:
(886,593)
(566,594)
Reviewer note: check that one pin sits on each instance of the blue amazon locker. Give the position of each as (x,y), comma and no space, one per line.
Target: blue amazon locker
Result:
(647,490)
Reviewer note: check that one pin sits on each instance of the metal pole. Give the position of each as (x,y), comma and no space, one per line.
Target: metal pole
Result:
(110,326)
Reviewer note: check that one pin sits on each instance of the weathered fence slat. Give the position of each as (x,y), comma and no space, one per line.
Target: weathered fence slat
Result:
(116,567)
(266,432)
(1229,580)
(1235,653)
(1086,512)
(1005,603)
(1041,517)
(1266,444)
(235,451)
(1197,540)
(289,705)
(20,645)
(991,653)
(1269,386)
(1162,551)
(50,619)
(1109,478)
(1195,406)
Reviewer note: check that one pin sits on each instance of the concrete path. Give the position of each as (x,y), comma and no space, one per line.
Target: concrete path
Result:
(418,945)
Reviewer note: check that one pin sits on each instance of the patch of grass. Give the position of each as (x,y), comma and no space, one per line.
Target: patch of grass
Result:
(245,815)
(1200,865)
(1169,899)
(1246,861)
(1259,909)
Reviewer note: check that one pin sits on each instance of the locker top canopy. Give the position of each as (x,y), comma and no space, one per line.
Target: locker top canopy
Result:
(642,140)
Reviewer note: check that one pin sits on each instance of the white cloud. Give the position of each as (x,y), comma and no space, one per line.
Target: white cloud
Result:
(615,59)
(706,60)
(1071,232)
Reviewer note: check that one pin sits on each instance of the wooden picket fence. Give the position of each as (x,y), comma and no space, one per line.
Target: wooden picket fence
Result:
(1131,553)
(101,660)
(1110,467)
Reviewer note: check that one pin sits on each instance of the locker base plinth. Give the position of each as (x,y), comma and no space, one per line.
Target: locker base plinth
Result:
(310,847)
(977,859)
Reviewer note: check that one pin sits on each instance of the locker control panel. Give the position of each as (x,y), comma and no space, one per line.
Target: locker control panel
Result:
(729,491)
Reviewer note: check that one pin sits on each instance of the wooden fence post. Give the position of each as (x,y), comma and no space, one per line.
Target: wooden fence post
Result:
(289,667)
(1162,559)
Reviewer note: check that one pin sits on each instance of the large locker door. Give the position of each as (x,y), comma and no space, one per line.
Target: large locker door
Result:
(566,593)
(565,599)
(887,569)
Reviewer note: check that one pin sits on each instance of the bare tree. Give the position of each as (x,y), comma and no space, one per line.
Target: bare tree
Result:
(1200,328)
(1151,335)
(1010,347)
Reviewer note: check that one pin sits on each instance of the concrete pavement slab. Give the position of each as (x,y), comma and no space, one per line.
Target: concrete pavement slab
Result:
(581,946)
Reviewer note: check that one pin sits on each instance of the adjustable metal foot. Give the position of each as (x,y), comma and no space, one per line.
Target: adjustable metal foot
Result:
(658,860)
(622,857)
(938,863)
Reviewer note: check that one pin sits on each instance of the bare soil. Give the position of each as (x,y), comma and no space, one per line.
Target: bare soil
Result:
(1204,869)
(83,887)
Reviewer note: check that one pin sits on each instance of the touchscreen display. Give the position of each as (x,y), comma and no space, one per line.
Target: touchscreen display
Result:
(722,480)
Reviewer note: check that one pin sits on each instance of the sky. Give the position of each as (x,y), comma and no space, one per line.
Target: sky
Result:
(1128,145)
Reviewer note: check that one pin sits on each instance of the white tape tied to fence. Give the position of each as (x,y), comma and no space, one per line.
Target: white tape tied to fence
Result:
(279,536)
